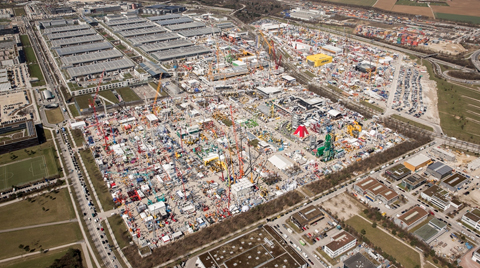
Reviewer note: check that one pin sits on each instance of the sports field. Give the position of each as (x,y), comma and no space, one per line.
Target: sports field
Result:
(24,171)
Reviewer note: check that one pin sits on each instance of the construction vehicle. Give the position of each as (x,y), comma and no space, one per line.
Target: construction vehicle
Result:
(354,129)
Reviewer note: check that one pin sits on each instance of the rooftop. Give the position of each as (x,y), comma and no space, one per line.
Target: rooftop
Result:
(418,160)
(414,179)
(142,32)
(66,29)
(181,52)
(357,261)
(83,48)
(455,180)
(339,240)
(71,34)
(76,40)
(149,48)
(440,167)
(173,21)
(398,171)
(99,67)
(413,215)
(199,31)
(102,55)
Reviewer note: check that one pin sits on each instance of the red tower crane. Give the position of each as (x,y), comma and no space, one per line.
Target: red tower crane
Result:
(240,162)
(277,61)
(93,104)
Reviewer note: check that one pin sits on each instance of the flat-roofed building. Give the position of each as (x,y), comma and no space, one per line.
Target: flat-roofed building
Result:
(199,32)
(397,172)
(60,43)
(341,243)
(165,17)
(91,58)
(156,38)
(83,49)
(173,21)
(115,66)
(129,27)
(68,28)
(417,162)
(360,261)
(455,182)
(476,256)
(186,26)
(142,32)
(181,53)
(306,216)
(437,197)
(449,156)
(373,190)
(411,218)
(151,48)
(125,21)
(414,181)
(71,34)
(439,170)
(472,218)
(431,231)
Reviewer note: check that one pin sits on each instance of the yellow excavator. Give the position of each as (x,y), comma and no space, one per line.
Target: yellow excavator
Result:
(354,129)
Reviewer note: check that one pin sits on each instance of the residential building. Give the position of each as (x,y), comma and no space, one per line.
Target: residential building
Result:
(414,181)
(439,170)
(437,197)
(341,243)
(411,218)
(454,182)
(417,162)
(397,172)
(472,218)
(308,215)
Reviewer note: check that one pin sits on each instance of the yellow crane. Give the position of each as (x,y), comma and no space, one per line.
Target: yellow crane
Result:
(154,108)
(266,41)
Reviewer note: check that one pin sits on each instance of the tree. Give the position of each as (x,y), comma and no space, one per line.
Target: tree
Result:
(363,232)
(374,225)
(394,232)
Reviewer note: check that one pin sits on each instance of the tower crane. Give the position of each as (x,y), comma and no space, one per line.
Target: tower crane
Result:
(240,162)
(156,95)
(93,104)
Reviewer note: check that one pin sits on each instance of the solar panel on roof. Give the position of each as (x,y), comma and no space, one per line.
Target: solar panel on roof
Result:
(66,29)
(200,31)
(99,67)
(83,48)
(174,21)
(70,34)
(76,40)
(180,53)
(102,55)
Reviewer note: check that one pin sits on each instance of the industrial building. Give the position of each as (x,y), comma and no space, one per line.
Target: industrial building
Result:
(307,216)
(417,162)
(199,32)
(95,69)
(333,50)
(358,260)
(60,10)
(373,190)
(318,60)
(439,170)
(242,188)
(181,53)
(454,183)
(449,156)
(414,181)
(173,21)
(186,26)
(341,243)
(68,28)
(135,20)
(411,218)
(90,58)
(142,32)
(76,41)
(163,9)
(269,91)
(156,38)
(150,48)
(83,49)
(438,197)
(165,17)
(431,231)
(472,218)
(71,34)
(397,172)
(129,27)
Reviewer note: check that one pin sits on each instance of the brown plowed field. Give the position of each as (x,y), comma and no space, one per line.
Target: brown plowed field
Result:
(385,4)
(424,11)
(463,7)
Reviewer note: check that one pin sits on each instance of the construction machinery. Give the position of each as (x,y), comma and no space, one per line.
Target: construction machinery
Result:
(354,129)
(327,150)
(154,108)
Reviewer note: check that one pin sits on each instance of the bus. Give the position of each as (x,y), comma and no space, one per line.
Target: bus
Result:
(301,242)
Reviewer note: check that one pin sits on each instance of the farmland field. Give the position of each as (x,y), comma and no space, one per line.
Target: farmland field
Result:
(464,7)
(410,3)
(385,4)
(456,17)
(368,3)
(424,11)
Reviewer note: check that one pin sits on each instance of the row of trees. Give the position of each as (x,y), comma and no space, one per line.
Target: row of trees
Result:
(214,232)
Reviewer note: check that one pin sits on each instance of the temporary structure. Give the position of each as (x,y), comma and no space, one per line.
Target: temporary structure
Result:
(301,131)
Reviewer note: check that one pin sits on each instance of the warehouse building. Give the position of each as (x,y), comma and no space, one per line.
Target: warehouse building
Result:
(71,34)
(129,27)
(60,10)
(417,162)
(413,182)
(332,49)
(474,165)
(444,154)
(156,38)
(269,92)
(116,66)
(373,190)
(181,53)
(68,28)
(163,9)
(438,197)
(173,21)
(83,49)
(472,218)
(307,216)
(91,58)
(225,25)
(165,17)
(397,172)
(341,243)
(142,32)
(454,183)
(439,170)
(411,218)
(118,22)
(76,41)
(318,60)
(186,26)
(199,32)
(151,48)
(242,188)
(359,261)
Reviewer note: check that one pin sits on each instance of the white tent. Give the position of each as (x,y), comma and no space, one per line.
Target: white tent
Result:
(280,162)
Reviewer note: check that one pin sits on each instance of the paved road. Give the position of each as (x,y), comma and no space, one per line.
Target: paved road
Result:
(475,60)
(38,225)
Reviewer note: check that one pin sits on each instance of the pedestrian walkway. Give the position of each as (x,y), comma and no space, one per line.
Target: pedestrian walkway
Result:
(38,225)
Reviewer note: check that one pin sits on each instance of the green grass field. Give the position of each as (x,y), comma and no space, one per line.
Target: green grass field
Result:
(54,116)
(35,71)
(404,255)
(108,94)
(19,11)
(38,238)
(83,101)
(367,3)
(127,94)
(25,40)
(30,55)
(58,207)
(459,109)
(411,122)
(41,260)
(410,3)
(78,137)
(97,179)
(73,110)
(25,171)
(119,230)
(439,4)
(455,17)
